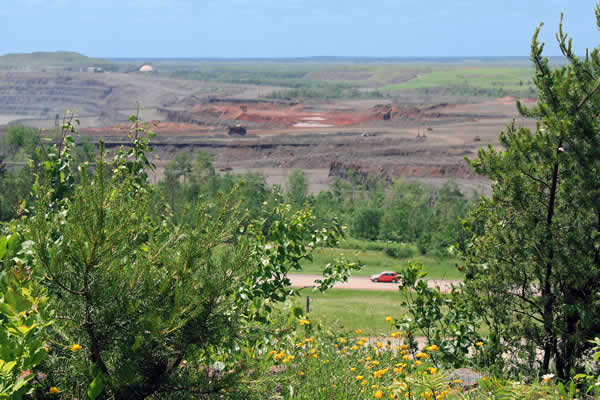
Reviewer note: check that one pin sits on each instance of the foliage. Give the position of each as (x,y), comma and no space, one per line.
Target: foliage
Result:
(317,363)
(24,316)
(534,268)
(17,138)
(365,223)
(296,188)
(446,321)
(144,301)
(335,92)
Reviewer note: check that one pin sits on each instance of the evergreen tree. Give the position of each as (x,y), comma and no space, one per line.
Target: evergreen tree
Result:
(534,270)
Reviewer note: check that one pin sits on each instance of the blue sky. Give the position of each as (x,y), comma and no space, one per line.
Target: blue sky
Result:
(291,28)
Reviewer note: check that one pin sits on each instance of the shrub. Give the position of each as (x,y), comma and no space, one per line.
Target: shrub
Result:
(148,307)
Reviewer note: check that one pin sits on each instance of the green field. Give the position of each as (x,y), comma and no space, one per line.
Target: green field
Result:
(348,310)
(510,79)
(348,78)
(344,311)
(376,261)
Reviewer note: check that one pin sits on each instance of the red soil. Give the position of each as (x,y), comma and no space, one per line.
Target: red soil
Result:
(276,115)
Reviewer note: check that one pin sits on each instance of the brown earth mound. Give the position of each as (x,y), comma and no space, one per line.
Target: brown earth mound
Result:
(278,115)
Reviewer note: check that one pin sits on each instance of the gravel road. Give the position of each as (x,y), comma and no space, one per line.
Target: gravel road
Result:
(363,283)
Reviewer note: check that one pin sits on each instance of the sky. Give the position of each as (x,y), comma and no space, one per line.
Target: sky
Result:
(292,28)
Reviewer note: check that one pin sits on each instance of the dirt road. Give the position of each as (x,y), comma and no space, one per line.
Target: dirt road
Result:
(363,283)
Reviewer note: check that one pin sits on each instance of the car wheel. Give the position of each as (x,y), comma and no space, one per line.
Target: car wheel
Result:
(375,280)
(394,280)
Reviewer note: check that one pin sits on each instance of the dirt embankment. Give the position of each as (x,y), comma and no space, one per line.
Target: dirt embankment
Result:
(47,94)
(266,114)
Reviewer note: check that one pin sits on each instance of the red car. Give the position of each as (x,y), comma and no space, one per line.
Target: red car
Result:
(386,276)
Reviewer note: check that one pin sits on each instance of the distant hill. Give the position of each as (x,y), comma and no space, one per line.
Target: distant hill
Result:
(58,59)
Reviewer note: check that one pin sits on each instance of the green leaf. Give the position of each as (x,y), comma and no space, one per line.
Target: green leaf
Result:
(96,387)
(297,312)
(138,342)
(25,329)
(7,367)
(3,246)
(13,243)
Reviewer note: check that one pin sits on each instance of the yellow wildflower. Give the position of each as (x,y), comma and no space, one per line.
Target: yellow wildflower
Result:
(374,386)
(421,355)
(433,347)
(479,344)
(359,377)
(389,319)
(304,322)
(75,347)
(358,331)
(378,394)
(380,373)
(396,334)
(54,390)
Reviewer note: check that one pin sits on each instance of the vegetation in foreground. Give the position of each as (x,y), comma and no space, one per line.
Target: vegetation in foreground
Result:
(108,292)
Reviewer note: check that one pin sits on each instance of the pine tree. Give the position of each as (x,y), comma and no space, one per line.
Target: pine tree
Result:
(534,270)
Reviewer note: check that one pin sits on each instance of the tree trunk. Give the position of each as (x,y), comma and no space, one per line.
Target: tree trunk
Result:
(547,295)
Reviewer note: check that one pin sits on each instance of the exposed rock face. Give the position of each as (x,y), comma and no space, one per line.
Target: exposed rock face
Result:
(46,94)
(353,170)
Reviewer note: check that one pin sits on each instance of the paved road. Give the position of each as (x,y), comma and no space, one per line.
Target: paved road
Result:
(363,283)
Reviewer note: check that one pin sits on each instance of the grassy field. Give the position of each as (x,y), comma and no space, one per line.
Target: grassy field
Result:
(324,79)
(510,79)
(344,311)
(377,261)
(348,310)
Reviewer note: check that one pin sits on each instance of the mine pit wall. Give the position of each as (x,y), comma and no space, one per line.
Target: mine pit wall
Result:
(431,174)
(184,117)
